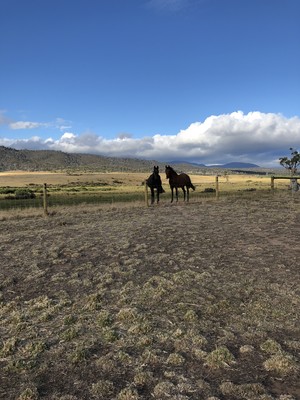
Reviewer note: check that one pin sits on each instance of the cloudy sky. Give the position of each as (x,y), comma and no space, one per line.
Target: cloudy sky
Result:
(209,81)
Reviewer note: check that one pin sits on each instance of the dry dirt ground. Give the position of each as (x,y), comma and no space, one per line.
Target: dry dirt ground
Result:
(197,301)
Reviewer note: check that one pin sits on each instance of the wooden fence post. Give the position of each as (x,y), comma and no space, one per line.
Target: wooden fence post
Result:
(45,199)
(146,195)
(294,185)
(217,186)
(272,182)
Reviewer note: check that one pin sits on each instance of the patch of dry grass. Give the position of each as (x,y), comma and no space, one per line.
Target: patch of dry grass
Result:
(183,302)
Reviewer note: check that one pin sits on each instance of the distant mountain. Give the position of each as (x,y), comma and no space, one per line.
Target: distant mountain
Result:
(228,165)
(50,160)
(186,163)
(237,165)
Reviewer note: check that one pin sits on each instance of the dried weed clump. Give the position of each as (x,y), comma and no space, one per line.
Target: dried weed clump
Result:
(249,391)
(102,389)
(270,346)
(175,359)
(282,363)
(128,394)
(30,393)
(219,358)
(164,390)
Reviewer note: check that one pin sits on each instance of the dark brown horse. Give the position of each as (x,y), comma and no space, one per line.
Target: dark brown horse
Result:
(154,183)
(176,181)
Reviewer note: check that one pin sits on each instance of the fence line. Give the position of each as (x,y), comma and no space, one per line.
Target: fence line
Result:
(293,179)
(47,198)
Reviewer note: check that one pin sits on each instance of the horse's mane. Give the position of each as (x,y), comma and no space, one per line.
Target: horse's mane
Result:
(170,168)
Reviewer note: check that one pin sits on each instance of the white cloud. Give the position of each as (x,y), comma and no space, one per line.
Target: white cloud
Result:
(58,123)
(254,137)
(68,137)
(26,125)
(62,124)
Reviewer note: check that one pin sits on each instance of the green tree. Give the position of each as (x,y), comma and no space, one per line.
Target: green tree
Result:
(291,163)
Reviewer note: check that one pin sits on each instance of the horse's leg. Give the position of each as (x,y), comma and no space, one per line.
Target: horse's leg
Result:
(157,194)
(183,189)
(187,194)
(172,194)
(176,190)
(152,195)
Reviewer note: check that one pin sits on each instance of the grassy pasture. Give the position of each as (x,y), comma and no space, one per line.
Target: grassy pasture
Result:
(74,188)
(131,180)
(124,302)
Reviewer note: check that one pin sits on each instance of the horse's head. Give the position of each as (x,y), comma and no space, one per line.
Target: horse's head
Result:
(156,170)
(168,171)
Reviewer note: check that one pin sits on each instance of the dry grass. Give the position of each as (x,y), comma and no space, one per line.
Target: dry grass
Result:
(197,301)
(117,187)
(133,180)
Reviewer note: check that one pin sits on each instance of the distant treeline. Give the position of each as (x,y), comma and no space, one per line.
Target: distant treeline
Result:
(240,171)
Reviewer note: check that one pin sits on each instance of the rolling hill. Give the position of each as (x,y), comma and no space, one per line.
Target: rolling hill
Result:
(51,160)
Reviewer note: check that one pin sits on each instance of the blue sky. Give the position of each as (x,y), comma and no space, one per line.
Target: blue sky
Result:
(210,81)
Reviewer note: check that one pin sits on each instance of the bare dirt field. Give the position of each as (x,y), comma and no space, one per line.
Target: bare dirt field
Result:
(182,301)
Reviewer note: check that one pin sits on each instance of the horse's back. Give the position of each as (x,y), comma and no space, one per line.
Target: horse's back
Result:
(186,180)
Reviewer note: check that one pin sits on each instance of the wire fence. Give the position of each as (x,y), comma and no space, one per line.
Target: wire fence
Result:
(45,199)
(67,199)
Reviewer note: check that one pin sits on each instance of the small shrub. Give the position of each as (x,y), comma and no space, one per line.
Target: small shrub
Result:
(175,359)
(245,391)
(104,318)
(8,347)
(191,316)
(142,379)
(220,357)
(79,355)
(102,389)
(270,346)
(108,335)
(29,394)
(127,315)
(209,190)
(149,357)
(24,194)
(164,390)
(282,364)
(70,319)
(128,394)
(246,349)
(69,334)
(7,190)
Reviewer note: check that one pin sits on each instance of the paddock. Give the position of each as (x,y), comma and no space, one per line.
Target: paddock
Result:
(182,301)
(65,189)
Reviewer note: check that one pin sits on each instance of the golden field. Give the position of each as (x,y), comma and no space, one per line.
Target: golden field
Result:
(132,180)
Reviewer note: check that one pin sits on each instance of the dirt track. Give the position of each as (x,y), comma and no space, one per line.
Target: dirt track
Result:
(172,301)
